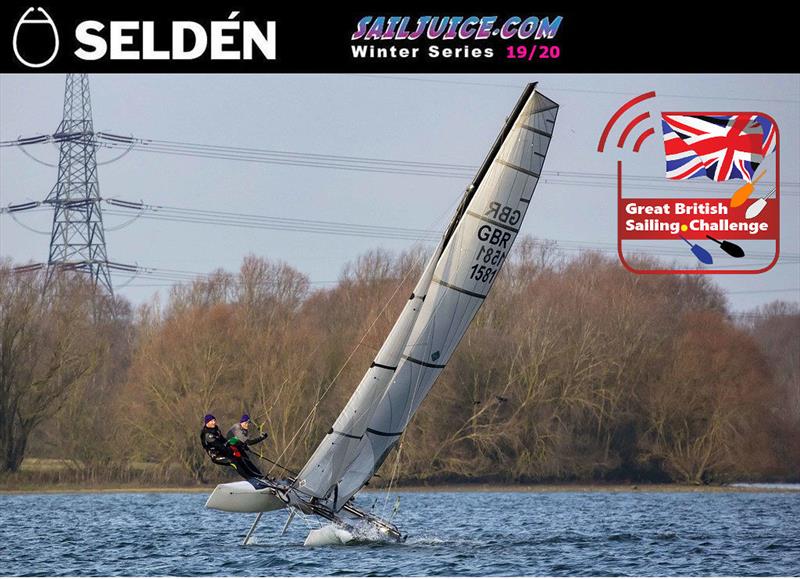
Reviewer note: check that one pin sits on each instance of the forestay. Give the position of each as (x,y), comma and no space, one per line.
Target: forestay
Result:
(452,288)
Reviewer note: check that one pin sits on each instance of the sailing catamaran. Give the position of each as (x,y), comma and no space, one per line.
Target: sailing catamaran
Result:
(453,285)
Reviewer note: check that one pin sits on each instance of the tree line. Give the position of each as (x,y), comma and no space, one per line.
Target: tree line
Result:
(574,370)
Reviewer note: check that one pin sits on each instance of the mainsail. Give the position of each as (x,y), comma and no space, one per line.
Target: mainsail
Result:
(447,296)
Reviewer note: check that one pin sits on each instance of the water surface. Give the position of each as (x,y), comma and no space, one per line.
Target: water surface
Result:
(463,533)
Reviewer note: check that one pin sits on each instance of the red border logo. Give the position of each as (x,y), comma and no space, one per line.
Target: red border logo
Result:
(707,223)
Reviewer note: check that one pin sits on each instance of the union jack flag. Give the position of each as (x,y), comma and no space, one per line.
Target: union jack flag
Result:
(720,147)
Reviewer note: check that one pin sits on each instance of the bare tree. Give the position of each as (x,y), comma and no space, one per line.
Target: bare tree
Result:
(47,348)
(574,369)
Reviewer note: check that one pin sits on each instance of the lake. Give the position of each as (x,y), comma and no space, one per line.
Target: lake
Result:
(449,533)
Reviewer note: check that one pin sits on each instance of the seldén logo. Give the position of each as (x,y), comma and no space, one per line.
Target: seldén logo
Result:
(35,39)
(36,46)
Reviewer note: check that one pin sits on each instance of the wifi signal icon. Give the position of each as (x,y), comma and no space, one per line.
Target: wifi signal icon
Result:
(631,126)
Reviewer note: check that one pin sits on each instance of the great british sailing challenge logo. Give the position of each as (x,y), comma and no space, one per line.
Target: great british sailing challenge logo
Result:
(716,206)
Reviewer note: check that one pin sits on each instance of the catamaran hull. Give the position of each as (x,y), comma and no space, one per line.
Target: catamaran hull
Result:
(328,535)
(344,534)
(352,523)
(242,497)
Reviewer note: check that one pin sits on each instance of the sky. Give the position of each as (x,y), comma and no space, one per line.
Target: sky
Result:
(449,119)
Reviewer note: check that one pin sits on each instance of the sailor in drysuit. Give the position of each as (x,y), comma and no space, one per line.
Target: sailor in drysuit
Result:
(240,432)
(226,452)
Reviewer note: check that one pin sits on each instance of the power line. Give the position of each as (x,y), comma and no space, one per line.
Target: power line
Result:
(360,164)
(755,316)
(250,220)
(128,209)
(265,156)
(283,153)
(171,276)
(766,291)
(371,164)
(83,138)
(569,89)
(251,224)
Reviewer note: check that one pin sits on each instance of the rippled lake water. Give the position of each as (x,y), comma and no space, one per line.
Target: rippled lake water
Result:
(464,533)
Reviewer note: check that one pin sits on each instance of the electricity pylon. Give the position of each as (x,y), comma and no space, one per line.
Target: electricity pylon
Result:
(77,239)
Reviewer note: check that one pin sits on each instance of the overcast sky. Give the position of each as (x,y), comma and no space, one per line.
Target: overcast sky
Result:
(419,118)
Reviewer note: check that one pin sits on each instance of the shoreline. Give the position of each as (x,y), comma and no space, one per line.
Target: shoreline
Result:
(443,488)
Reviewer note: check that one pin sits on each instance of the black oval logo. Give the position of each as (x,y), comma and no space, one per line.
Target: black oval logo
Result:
(36,43)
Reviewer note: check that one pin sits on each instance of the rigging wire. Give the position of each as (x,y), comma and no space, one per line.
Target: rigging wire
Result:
(347,360)
(419,258)
(395,470)
(261,456)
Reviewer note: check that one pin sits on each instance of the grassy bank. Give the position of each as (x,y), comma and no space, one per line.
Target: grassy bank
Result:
(39,475)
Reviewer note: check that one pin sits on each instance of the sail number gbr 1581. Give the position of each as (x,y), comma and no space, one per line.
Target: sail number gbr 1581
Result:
(496,240)
(489,262)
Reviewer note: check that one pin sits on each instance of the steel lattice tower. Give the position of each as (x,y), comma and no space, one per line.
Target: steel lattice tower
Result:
(77,240)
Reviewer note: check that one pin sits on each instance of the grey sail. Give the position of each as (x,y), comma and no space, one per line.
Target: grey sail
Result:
(458,278)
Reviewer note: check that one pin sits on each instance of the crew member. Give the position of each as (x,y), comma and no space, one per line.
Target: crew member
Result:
(241,430)
(225,452)
(240,434)
(213,442)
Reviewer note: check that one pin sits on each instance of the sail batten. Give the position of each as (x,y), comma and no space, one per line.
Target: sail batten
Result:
(516,168)
(459,289)
(455,282)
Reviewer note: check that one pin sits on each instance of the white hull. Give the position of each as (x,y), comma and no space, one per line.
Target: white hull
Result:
(242,497)
(328,535)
